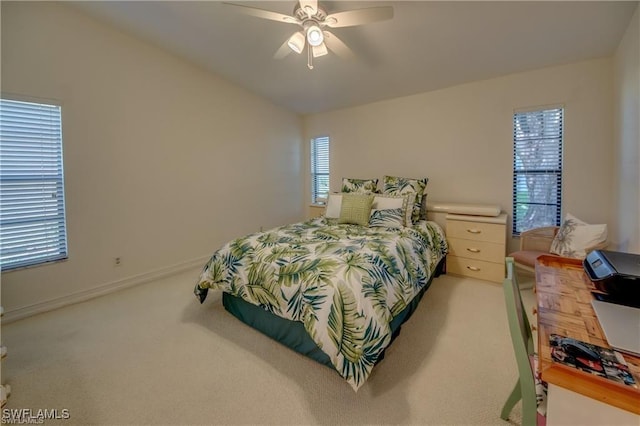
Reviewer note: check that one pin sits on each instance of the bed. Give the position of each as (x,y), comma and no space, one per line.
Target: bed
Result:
(336,292)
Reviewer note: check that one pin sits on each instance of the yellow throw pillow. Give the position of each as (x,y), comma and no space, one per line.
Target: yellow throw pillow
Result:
(355,208)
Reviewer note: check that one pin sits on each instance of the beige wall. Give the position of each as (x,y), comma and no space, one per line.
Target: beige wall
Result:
(461,137)
(164,162)
(161,167)
(627,138)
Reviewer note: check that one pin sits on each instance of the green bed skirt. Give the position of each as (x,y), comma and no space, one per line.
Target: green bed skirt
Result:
(292,333)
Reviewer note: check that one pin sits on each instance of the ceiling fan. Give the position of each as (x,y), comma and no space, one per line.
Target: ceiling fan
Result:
(314,20)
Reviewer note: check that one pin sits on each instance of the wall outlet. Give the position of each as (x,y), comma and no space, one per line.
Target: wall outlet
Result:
(117,261)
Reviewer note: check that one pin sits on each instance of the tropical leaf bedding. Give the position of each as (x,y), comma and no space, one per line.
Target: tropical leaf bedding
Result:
(345,283)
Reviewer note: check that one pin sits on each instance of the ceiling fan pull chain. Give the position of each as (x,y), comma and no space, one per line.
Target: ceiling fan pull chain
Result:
(309,58)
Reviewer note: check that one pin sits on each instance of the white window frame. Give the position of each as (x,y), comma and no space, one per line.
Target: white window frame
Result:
(33,227)
(320,152)
(538,145)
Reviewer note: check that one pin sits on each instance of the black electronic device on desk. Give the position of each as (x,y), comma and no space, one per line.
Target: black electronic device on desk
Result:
(615,273)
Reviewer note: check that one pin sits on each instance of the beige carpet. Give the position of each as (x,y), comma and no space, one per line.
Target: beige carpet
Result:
(153,355)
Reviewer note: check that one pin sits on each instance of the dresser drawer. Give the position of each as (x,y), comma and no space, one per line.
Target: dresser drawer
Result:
(479,250)
(477,231)
(479,269)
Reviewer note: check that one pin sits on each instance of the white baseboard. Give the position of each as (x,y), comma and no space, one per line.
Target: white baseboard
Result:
(84,295)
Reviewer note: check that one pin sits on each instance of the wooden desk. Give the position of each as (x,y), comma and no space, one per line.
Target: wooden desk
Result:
(563,293)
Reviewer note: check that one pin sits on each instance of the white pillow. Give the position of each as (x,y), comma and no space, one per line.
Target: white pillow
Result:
(388,202)
(334,204)
(575,237)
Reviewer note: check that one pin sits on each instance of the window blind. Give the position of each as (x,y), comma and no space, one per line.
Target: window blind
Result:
(319,168)
(537,169)
(32,212)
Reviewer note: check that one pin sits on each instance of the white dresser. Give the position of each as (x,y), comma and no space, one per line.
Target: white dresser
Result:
(477,246)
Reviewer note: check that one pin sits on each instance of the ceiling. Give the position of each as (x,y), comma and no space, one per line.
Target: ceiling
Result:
(427,45)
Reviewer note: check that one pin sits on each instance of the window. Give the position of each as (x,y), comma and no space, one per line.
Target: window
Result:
(319,169)
(537,169)
(32,217)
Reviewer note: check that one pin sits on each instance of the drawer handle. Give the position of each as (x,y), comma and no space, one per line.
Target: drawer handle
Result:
(473,250)
(474,231)
(473,268)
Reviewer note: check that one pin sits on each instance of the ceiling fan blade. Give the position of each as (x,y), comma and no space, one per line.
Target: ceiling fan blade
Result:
(261,13)
(351,18)
(310,7)
(337,46)
(320,50)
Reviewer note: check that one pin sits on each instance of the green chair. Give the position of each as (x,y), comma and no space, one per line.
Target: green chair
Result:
(533,403)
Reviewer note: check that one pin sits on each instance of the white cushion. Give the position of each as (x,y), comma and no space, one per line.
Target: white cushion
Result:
(575,237)
(334,205)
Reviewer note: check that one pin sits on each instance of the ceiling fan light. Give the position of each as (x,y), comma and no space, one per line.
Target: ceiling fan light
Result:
(314,35)
(296,42)
(319,50)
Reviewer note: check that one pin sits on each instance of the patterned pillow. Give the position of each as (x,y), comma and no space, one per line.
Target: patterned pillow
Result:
(363,186)
(393,202)
(575,237)
(388,218)
(423,207)
(395,185)
(355,209)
